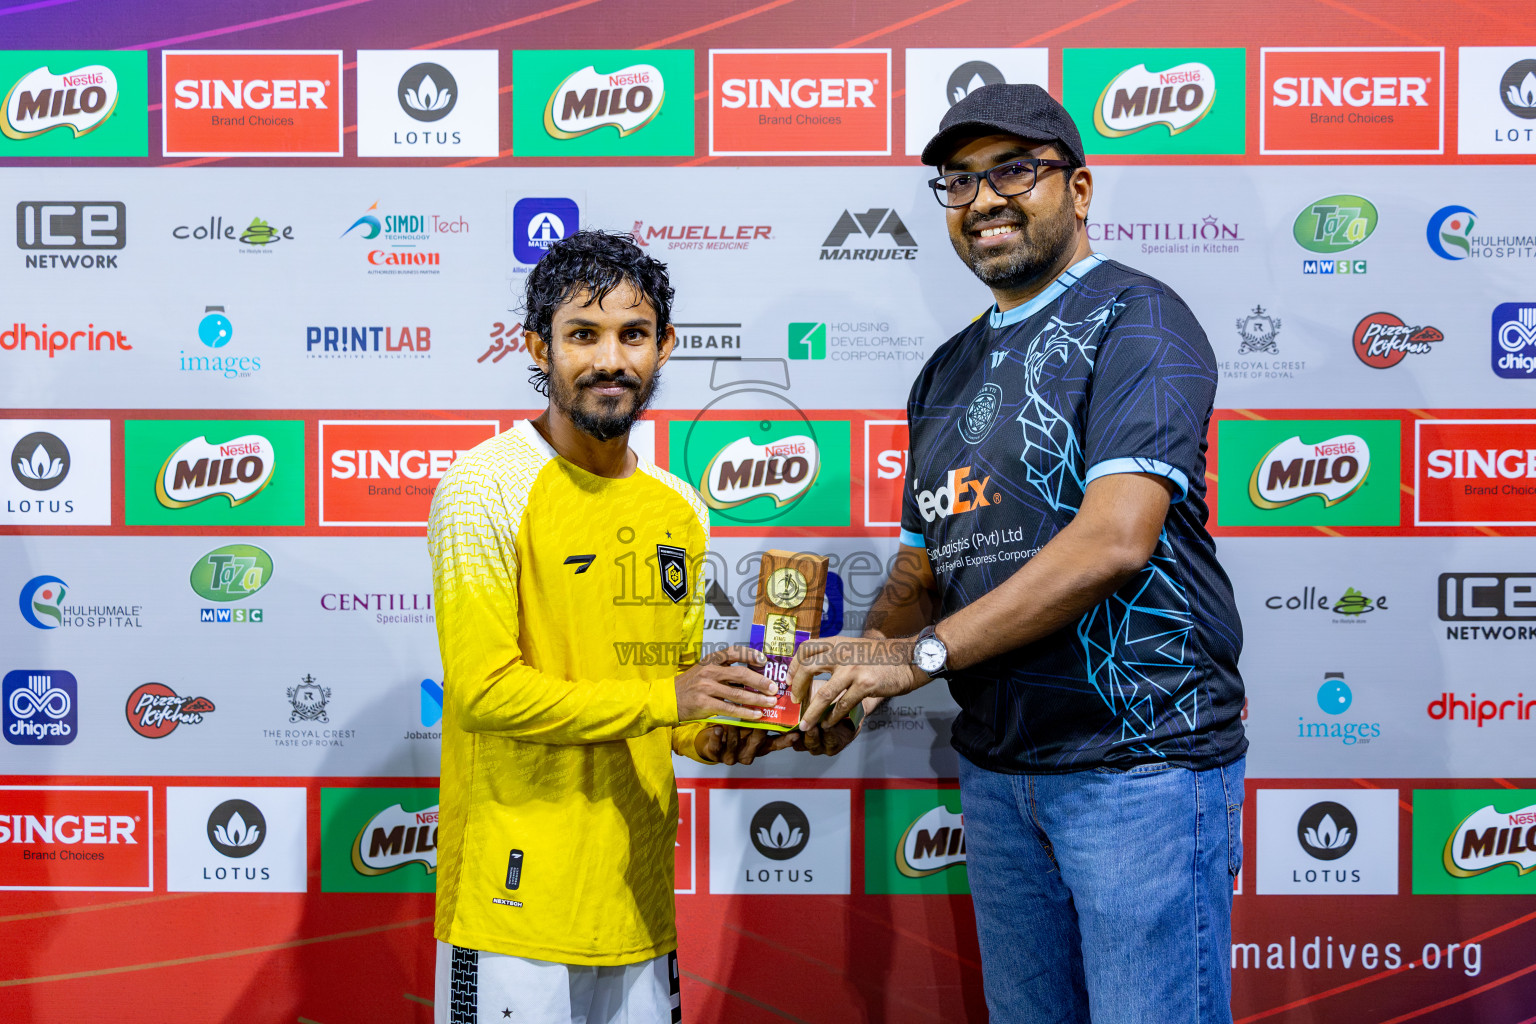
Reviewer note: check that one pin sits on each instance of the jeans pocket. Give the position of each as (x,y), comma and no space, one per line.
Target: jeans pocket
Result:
(1232,785)
(1153,768)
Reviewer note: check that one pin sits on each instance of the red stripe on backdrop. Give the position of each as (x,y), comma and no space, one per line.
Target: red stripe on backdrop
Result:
(276,19)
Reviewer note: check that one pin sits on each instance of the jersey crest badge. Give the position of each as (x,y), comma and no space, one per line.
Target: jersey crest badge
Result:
(672,565)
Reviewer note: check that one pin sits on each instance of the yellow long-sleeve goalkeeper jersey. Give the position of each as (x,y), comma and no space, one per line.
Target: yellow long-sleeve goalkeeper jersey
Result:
(565,607)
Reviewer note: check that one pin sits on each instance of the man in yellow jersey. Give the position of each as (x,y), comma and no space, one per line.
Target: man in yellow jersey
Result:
(569,582)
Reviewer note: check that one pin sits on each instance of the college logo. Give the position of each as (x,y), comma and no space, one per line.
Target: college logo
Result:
(86,103)
(77,838)
(1475,473)
(1258,331)
(1158,100)
(251,103)
(1497,99)
(789,471)
(1474,841)
(1308,472)
(1325,841)
(258,236)
(378,840)
(779,841)
(1383,340)
(82,229)
(602,102)
(1449,232)
(1334,224)
(800,102)
(58,472)
(235,472)
(41,707)
(897,243)
(538,224)
(154,710)
(937,79)
(1352,606)
(384,472)
(1514,340)
(408,107)
(1381,100)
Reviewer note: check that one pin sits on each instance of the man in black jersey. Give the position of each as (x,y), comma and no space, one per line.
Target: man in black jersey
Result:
(1055,568)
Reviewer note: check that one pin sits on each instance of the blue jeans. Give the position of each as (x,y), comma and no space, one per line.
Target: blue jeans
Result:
(1105,896)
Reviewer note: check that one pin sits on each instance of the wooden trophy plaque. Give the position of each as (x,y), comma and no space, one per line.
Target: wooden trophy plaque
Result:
(790,587)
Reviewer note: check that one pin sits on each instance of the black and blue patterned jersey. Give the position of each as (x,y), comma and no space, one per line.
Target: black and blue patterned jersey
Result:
(1106,371)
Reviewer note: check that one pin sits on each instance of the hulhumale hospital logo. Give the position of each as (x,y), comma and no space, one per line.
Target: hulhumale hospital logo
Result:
(1449,232)
(42,600)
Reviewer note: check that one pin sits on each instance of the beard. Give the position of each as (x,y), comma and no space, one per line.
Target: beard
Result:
(1044,240)
(603,417)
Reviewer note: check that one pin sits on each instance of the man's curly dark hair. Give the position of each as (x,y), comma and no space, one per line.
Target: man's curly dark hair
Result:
(596,262)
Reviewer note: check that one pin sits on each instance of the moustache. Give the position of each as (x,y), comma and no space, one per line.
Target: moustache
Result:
(975,219)
(593,380)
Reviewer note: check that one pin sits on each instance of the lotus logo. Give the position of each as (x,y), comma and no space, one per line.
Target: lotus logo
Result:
(1136,99)
(238,469)
(627,99)
(237,828)
(394,838)
(1449,232)
(40,461)
(80,100)
(969,77)
(933,842)
(1291,470)
(428,92)
(782,470)
(1327,830)
(779,830)
(42,601)
(1518,89)
(1488,838)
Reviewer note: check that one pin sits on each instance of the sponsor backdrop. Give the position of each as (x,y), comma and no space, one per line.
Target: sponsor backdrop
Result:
(264,290)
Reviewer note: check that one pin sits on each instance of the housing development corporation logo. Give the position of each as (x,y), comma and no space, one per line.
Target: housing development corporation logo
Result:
(800,102)
(1363,100)
(1331,225)
(70,234)
(85,103)
(1177,100)
(251,103)
(602,102)
(1383,340)
(853,341)
(41,707)
(1514,340)
(1475,473)
(1474,841)
(1308,472)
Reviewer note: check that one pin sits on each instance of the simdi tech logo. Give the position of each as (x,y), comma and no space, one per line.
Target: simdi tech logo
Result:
(385,472)
(1475,473)
(378,840)
(1474,841)
(937,79)
(1352,100)
(1179,100)
(86,103)
(1496,99)
(77,838)
(214,472)
(602,103)
(800,102)
(1283,473)
(251,103)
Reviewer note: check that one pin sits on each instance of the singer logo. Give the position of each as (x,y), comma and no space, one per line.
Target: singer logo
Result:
(1339,100)
(384,472)
(885,467)
(245,103)
(198,470)
(1137,98)
(1475,473)
(782,470)
(1332,470)
(76,837)
(961,492)
(800,102)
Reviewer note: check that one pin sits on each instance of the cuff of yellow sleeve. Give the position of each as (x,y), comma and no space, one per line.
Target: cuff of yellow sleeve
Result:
(685,741)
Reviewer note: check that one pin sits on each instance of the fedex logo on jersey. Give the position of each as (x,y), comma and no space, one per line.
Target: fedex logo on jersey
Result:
(962,491)
(800,102)
(885,467)
(1365,100)
(251,103)
(384,472)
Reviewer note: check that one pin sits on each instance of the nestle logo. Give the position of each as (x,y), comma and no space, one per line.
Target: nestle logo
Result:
(630,78)
(239,449)
(1176,77)
(94,78)
(1333,449)
(426,817)
(782,450)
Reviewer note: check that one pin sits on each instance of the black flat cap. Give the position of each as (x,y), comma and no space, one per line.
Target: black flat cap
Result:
(1027,111)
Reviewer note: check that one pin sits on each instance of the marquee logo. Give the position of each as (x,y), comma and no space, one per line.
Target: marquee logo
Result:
(783,470)
(1383,340)
(800,102)
(385,472)
(80,100)
(41,707)
(198,470)
(897,244)
(1365,100)
(1137,99)
(602,102)
(251,103)
(1332,470)
(1475,473)
(1174,100)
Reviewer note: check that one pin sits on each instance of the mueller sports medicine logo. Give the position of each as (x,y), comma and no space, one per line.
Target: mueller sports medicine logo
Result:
(1475,473)
(1383,340)
(1137,98)
(394,838)
(76,837)
(251,103)
(40,707)
(782,470)
(1332,469)
(626,99)
(72,234)
(385,472)
(197,470)
(888,237)
(800,102)
(701,236)
(80,100)
(1320,100)
(1487,839)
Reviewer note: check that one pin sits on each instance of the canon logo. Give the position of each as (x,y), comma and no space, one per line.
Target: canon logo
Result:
(253,94)
(1389,91)
(68,829)
(805,93)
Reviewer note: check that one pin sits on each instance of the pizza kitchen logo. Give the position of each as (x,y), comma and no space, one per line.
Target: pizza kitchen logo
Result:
(1290,471)
(1383,340)
(154,710)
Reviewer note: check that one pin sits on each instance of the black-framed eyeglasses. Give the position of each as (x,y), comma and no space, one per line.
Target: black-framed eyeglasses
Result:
(1014,178)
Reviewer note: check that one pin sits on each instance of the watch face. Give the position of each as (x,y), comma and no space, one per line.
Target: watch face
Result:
(930,654)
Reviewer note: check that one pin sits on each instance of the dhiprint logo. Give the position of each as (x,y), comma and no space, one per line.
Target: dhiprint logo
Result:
(427,92)
(1327,831)
(41,707)
(780,830)
(237,828)
(1514,340)
(42,602)
(1383,340)
(40,461)
(1449,232)
(154,710)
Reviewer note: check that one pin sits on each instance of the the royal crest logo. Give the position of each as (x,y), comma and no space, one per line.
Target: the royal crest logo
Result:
(197,470)
(394,838)
(627,99)
(981,413)
(672,564)
(1332,470)
(1137,98)
(80,100)
(1258,330)
(308,701)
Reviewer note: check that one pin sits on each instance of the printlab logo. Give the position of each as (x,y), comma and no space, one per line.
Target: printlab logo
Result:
(42,602)
(1334,698)
(73,234)
(237,828)
(1449,232)
(888,237)
(40,461)
(1334,224)
(937,79)
(1383,340)
(780,830)
(1327,830)
(1514,340)
(40,707)
(538,223)
(154,710)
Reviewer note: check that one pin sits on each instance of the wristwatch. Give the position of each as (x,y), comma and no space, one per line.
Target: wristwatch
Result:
(929,653)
